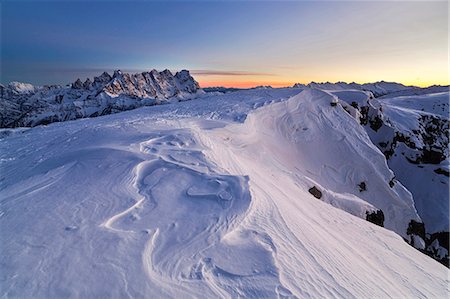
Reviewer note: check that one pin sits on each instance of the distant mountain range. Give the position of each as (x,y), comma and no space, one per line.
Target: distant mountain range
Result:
(378,89)
(25,105)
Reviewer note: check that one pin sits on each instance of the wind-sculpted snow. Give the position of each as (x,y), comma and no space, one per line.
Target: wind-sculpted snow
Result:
(129,207)
(187,210)
(321,251)
(295,133)
(206,199)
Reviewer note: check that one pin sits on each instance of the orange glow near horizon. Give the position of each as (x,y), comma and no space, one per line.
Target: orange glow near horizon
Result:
(243,84)
(226,82)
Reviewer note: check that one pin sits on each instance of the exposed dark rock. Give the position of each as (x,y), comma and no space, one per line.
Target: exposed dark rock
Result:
(432,244)
(77,84)
(443,238)
(426,143)
(333,104)
(87,84)
(392,183)
(376,123)
(362,186)
(390,147)
(432,157)
(399,137)
(315,192)
(442,171)
(364,115)
(416,228)
(428,157)
(376,217)
(59,98)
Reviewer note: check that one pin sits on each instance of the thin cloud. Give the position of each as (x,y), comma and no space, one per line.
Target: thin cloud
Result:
(228,73)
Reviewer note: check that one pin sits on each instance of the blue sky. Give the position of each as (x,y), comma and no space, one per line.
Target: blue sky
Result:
(227,43)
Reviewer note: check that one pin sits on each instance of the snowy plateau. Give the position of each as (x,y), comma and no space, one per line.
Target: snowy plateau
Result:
(325,190)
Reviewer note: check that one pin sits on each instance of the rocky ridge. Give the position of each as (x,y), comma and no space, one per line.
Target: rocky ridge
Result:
(25,105)
(410,128)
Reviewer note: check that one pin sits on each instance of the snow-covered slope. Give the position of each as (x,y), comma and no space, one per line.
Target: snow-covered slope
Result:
(25,105)
(377,89)
(312,139)
(421,125)
(207,198)
(412,132)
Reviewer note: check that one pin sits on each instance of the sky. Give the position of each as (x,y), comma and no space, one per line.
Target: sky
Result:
(237,43)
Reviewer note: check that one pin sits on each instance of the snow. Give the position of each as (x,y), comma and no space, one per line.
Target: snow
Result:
(441,252)
(207,198)
(24,105)
(353,96)
(430,190)
(421,116)
(435,103)
(378,88)
(21,88)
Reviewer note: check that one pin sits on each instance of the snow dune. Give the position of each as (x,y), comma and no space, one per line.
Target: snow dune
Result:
(207,198)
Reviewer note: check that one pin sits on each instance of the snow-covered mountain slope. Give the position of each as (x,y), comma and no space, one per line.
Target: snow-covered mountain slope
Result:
(312,139)
(207,198)
(412,132)
(421,125)
(25,105)
(377,89)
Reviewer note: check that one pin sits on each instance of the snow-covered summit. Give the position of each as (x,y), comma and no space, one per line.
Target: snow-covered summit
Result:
(22,88)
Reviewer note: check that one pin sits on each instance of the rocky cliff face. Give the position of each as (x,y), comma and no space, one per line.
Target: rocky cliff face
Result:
(411,128)
(24,105)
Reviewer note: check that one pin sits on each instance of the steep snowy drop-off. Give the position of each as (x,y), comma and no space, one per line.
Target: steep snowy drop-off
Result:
(411,129)
(288,147)
(197,199)
(312,140)
(424,124)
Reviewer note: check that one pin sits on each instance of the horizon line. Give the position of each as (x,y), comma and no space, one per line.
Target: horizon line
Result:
(204,83)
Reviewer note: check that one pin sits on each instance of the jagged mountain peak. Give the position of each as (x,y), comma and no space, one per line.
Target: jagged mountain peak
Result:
(117,73)
(26,105)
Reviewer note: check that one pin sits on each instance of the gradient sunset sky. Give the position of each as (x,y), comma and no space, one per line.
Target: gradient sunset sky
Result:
(237,43)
